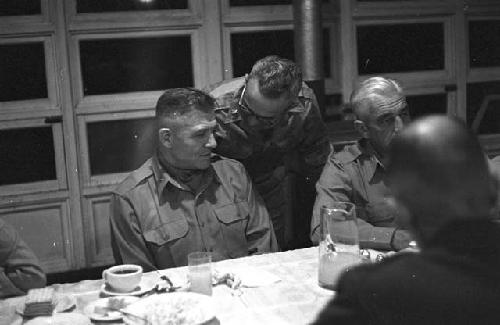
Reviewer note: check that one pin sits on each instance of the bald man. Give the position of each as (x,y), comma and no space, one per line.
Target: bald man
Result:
(440,178)
(357,174)
(186,199)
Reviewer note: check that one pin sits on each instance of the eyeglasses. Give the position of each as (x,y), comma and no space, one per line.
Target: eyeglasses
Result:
(267,120)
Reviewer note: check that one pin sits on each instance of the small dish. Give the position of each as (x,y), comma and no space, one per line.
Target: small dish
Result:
(61,302)
(102,304)
(144,286)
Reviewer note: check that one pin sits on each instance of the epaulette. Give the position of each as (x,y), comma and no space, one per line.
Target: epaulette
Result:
(347,155)
(306,91)
(134,179)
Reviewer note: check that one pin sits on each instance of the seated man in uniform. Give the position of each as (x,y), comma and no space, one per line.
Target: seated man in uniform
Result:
(185,198)
(269,120)
(19,267)
(357,174)
(440,178)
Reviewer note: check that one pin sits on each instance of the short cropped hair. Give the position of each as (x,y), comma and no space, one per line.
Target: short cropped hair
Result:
(374,92)
(276,76)
(176,102)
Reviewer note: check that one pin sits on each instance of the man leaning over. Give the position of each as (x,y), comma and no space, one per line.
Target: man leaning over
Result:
(269,120)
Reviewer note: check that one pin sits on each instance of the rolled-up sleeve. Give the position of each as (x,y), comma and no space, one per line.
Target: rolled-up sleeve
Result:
(20,269)
(127,240)
(336,185)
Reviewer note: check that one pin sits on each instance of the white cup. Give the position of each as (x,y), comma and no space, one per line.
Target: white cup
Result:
(123,278)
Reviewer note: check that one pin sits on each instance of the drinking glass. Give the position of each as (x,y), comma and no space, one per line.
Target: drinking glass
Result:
(200,272)
(339,242)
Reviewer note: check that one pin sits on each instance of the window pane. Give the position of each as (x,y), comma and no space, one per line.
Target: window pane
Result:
(84,6)
(140,64)
(483,107)
(421,105)
(22,71)
(120,146)
(484,46)
(20,7)
(400,48)
(234,3)
(246,48)
(27,155)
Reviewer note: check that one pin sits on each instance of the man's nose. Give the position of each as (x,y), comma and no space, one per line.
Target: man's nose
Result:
(211,143)
(398,123)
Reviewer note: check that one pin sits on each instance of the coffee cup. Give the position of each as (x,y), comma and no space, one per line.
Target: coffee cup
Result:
(123,278)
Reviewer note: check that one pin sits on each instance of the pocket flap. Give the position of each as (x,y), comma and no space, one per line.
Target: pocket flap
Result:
(232,212)
(167,232)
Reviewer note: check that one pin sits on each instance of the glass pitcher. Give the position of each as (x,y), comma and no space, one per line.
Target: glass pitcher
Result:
(339,242)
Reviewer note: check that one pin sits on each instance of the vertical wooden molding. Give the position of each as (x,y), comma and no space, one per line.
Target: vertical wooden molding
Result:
(348,48)
(461,62)
(75,217)
(212,31)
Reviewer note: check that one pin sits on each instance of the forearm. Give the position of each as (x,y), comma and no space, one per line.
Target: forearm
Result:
(7,287)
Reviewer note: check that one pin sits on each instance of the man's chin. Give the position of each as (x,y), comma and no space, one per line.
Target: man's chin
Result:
(204,162)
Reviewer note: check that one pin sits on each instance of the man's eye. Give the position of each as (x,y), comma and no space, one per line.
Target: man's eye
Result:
(388,120)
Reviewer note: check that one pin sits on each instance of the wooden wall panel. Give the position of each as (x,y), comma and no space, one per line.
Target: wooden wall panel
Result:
(98,240)
(45,228)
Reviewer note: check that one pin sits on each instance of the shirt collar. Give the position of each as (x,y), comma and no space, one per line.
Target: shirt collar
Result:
(162,177)
(367,151)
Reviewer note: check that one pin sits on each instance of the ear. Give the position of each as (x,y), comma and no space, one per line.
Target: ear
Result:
(361,128)
(165,137)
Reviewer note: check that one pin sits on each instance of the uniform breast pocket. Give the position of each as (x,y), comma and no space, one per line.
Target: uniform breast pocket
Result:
(233,219)
(167,233)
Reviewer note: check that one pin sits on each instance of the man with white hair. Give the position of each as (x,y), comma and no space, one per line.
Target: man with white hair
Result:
(357,174)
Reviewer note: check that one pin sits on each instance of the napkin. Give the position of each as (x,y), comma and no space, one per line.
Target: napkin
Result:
(247,277)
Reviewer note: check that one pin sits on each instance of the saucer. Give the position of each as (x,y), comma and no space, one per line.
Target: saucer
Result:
(142,288)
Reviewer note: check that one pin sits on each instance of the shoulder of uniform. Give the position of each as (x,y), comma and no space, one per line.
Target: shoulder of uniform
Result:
(135,178)
(225,161)
(347,155)
(306,91)
(227,165)
(225,86)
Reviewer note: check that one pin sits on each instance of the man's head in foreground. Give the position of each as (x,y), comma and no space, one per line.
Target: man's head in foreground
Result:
(381,111)
(186,122)
(438,173)
(270,90)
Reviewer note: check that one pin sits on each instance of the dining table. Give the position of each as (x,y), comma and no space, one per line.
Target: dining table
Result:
(294,298)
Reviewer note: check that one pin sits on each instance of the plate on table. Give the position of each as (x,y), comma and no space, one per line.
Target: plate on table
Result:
(61,302)
(187,308)
(98,310)
(144,286)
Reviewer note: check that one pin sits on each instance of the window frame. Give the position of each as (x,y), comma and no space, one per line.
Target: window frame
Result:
(126,100)
(430,78)
(38,106)
(88,180)
(60,182)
